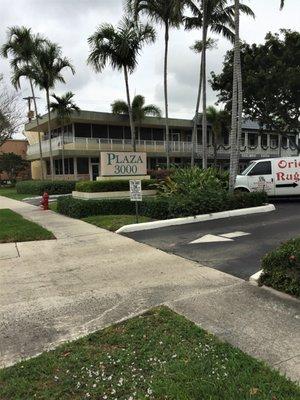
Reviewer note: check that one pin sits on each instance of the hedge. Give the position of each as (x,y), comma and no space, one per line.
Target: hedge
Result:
(51,187)
(110,185)
(161,207)
(281,268)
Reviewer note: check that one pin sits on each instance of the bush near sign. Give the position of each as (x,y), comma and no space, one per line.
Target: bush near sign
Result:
(116,163)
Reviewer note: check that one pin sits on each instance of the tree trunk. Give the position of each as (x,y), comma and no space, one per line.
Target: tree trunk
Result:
(195,125)
(166,92)
(63,151)
(240,107)
(215,146)
(132,128)
(39,133)
(204,118)
(234,113)
(49,132)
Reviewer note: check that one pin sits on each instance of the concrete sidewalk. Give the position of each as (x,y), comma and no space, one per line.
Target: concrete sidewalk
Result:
(57,290)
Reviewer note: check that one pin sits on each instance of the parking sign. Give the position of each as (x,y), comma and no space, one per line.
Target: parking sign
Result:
(135,190)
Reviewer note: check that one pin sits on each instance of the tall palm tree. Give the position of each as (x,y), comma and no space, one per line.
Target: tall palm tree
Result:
(63,106)
(220,121)
(45,70)
(237,102)
(198,48)
(139,109)
(168,13)
(21,45)
(215,16)
(120,47)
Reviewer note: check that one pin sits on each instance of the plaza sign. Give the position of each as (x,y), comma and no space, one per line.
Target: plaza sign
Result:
(115,163)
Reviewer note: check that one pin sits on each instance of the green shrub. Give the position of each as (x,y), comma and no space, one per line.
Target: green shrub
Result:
(77,208)
(161,207)
(51,187)
(192,181)
(281,268)
(111,185)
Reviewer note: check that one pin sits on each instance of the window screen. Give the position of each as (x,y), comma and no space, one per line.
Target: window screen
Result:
(82,165)
(261,168)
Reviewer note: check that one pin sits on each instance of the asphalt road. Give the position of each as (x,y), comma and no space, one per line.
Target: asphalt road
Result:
(240,256)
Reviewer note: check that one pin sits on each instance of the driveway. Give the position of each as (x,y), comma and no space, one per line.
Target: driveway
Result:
(232,245)
(57,290)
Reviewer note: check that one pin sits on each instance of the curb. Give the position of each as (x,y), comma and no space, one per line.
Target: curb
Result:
(51,197)
(255,277)
(198,218)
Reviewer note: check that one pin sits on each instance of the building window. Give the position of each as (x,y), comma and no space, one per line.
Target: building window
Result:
(69,166)
(127,132)
(252,139)
(95,160)
(158,134)
(99,131)
(284,141)
(273,141)
(264,139)
(82,165)
(145,134)
(83,130)
(58,167)
(115,132)
(48,169)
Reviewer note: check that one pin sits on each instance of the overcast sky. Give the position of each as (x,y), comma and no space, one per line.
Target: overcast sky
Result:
(71,22)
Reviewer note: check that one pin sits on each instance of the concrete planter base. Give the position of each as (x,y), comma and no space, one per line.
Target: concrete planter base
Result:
(108,195)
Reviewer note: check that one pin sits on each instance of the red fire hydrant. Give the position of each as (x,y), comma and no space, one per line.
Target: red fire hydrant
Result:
(45,201)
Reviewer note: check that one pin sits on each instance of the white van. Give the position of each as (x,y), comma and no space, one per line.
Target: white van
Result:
(276,176)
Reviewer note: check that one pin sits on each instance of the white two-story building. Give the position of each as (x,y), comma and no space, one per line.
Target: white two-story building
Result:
(88,133)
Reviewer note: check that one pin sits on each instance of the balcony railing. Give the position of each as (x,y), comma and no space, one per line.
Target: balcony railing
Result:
(150,146)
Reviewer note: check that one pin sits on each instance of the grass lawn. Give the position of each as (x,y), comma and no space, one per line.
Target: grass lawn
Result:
(53,206)
(114,222)
(12,193)
(159,355)
(15,228)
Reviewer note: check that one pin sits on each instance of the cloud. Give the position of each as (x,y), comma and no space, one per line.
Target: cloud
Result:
(71,22)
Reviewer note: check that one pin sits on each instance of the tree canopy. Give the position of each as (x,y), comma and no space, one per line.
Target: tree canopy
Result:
(139,109)
(271,81)
(12,164)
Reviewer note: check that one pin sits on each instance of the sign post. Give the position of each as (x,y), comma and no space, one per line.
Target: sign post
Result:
(136,195)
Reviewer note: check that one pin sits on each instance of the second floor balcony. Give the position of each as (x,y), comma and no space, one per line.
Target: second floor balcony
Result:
(91,146)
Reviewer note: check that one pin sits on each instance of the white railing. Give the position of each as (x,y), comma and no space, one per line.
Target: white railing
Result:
(150,146)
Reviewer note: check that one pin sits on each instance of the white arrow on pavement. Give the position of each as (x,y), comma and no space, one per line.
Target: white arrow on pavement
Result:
(224,237)
(211,239)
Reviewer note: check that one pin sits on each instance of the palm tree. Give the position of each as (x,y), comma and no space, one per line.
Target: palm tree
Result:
(219,120)
(198,48)
(139,110)
(215,16)
(168,13)
(237,102)
(120,47)
(21,46)
(45,70)
(64,107)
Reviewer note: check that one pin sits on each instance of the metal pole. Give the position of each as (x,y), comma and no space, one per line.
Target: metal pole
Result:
(136,212)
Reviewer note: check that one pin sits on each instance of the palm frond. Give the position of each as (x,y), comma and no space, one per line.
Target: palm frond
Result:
(119,107)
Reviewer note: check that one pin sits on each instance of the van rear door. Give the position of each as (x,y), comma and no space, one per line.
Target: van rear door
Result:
(260,177)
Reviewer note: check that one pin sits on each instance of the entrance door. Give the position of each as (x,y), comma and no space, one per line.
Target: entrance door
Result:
(95,171)
(260,177)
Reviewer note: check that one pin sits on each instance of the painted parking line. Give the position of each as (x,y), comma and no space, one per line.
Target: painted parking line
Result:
(224,237)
